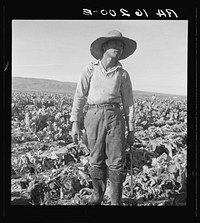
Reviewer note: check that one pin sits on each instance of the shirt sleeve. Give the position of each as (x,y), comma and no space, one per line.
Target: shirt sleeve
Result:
(128,101)
(81,93)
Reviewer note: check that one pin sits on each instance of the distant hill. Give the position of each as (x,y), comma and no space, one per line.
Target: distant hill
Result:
(44,85)
(53,86)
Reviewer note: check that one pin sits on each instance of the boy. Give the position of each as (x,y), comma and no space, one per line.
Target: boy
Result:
(104,84)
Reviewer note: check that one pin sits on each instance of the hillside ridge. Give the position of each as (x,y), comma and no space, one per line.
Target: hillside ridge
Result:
(55,86)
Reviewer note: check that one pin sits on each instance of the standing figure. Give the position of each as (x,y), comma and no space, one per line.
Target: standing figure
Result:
(103,86)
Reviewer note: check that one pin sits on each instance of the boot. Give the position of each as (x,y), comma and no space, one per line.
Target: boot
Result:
(99,187)
(116,177)
(99,178)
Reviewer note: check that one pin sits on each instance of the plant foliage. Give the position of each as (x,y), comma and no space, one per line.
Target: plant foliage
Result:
(49,169)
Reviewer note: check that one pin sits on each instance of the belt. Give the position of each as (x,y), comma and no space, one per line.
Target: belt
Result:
(102,106)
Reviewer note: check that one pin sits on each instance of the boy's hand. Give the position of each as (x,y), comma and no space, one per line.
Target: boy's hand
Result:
(76,133)
(131,138)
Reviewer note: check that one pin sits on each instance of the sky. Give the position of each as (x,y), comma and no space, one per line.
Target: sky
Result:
(60,49)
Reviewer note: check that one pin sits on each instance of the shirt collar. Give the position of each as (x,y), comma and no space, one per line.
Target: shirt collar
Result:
(118,65)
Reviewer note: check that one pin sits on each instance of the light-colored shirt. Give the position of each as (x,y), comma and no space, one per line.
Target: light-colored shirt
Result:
(98,86)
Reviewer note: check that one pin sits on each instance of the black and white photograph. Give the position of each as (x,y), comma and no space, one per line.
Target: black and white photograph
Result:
(99,112)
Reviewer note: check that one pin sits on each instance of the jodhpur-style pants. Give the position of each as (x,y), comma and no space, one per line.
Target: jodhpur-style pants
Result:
(105,129)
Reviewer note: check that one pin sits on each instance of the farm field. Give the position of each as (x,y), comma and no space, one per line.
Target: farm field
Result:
(47,168)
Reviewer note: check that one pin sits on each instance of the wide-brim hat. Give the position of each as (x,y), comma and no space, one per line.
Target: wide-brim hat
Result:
(129,45)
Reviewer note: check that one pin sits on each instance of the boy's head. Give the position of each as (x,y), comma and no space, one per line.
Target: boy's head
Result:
(113,43)
(113,48)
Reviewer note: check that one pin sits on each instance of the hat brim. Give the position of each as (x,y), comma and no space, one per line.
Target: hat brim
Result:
(129,47)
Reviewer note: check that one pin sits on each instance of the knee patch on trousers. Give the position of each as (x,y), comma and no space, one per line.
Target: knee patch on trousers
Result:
(117,176)
(98,172)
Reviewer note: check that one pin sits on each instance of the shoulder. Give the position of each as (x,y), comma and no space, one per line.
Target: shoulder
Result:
(88,69)
(124,73)
(125,77)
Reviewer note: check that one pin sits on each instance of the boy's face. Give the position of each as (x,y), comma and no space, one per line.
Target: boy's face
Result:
(113,48)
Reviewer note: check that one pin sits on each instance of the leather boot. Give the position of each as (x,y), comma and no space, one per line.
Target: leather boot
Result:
(116,177)
(99,179)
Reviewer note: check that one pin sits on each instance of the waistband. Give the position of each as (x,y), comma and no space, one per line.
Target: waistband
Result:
(102,106)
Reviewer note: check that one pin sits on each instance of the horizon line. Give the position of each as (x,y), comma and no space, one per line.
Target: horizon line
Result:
(76,83)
